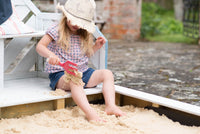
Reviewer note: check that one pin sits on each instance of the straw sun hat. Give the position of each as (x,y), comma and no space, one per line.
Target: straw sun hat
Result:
(80,13)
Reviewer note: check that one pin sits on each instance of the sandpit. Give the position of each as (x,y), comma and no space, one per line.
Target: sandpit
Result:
(72,121)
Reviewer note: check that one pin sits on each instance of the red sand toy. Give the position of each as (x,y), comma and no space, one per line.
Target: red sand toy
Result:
(68,67)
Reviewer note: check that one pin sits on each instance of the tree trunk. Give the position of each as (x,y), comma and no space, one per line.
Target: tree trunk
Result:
(178,9)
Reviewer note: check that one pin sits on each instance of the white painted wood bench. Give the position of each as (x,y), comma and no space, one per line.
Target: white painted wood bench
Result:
(25,82)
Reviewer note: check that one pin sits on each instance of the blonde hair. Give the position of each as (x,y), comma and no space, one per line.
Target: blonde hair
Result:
(64,37)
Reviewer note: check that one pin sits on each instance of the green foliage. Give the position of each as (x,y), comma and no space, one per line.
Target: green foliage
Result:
(157,22)
(170,26)
(173,38)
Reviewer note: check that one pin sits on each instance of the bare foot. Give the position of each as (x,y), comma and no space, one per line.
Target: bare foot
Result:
(92,116)
(114,110)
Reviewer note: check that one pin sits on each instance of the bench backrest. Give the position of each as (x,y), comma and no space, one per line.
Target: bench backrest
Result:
(21,59)
(32,16)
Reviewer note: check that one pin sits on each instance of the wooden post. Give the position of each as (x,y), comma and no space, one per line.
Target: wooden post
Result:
(59,104)
(0,113)
(118,99)
(1,63)
(155,105)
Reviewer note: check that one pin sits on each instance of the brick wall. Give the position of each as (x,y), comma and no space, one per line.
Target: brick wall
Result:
(123,19)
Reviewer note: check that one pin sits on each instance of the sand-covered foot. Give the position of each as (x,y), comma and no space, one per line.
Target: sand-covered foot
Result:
(114,110)
(93,116)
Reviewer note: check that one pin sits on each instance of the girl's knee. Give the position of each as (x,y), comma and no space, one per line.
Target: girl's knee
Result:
(107,73)
(73,85)
(62,84)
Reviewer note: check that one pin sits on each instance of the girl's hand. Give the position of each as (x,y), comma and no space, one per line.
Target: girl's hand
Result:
(99,42)
(53,60)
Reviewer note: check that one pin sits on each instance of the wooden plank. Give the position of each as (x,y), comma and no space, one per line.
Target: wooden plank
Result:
(42,74)
(24,91)
(95,59)
(13,48)
(0,113)
(91,98)
(18,2)
(32,90)
(55,4)
(35,34)
(155,105)
(126,100)
(25,12)
(69,102)
(26,109)
(102,51)
(28,60)
(32,108)
(21,11)
(27,17)
(162,101)
(45,20)
(36,86)
(99,59)
(1,64)
(40,63)
(118,99)
(22,75)
(32,7)
(49,16)
(31,22)
(94,98)
(59,104)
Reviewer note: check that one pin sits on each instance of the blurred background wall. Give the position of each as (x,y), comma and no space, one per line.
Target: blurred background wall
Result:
(122,17)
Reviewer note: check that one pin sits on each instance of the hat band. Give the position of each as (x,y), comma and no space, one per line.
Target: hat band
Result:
(77,16)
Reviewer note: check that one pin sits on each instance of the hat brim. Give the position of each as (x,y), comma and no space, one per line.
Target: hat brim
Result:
(84,24)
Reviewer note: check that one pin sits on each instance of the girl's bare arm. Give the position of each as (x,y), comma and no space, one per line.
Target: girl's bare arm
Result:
(99,43)
(43,51)
(41,47)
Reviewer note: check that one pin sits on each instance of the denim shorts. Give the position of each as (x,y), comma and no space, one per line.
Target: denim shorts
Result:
(54,77)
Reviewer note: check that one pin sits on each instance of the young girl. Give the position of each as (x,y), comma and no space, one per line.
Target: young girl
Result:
(71,40)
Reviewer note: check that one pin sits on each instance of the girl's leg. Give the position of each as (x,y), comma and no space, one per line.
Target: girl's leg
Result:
(107,78)
(80,98)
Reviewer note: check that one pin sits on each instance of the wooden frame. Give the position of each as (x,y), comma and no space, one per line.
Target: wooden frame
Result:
(28,93)
(157,101)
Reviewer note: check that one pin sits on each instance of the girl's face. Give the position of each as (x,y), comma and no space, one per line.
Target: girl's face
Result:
(73,28)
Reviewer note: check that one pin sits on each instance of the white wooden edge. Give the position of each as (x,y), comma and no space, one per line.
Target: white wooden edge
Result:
(174,104)
(34,34)
(44,95)
(49,16)
(32,7)
(1,64)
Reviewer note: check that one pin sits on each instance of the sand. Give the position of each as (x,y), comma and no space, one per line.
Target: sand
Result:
(77,79)
(58,92)
(72,121)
